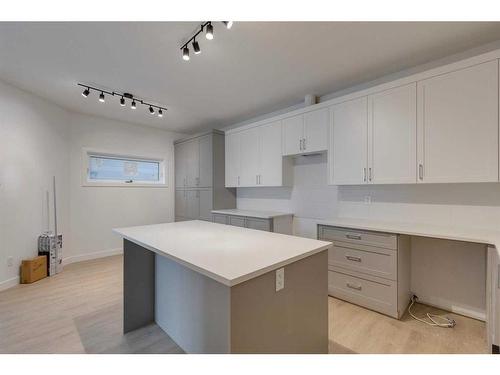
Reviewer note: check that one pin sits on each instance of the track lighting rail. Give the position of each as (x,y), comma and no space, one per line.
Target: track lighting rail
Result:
(209,34)
(134,100)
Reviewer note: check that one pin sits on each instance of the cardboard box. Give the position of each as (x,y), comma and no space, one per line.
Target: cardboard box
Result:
(34,269)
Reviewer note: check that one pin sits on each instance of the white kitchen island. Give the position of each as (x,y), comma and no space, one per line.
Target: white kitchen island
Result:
(216,288)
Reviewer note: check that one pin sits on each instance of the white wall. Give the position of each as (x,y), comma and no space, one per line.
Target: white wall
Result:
(444,273)
(94,211)
(38,139)
(34,146)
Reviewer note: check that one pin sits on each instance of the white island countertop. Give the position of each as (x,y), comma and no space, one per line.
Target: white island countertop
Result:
(251,213)
(467,234)
(227,254)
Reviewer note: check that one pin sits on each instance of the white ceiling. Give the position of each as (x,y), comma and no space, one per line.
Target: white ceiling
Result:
(252,69)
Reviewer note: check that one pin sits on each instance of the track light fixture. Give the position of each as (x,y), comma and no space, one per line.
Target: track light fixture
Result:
(196,47)
(209,34)
(185,54)
(123,97)
(206,27)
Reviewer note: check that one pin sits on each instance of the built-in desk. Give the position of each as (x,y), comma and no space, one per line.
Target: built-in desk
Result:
(381,237)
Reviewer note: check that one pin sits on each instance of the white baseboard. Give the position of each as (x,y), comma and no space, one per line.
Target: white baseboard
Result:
(90,256)
(9,283)
(444,304)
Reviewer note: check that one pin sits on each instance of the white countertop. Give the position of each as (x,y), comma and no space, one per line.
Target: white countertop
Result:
(490,237)
(251,213)
(227,254)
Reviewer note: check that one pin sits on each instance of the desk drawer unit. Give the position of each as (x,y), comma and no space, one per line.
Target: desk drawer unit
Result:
(370,269)
(374,293)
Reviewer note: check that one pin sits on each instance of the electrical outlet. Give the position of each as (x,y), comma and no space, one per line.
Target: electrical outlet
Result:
(368,199)
(280,279)
(10,261)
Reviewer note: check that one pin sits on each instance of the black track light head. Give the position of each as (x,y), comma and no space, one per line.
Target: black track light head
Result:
(185,53)
(86,92)
(228,24)
(196,47)
(151,110)
(133,105)
(122,101)
(101,97)
(209,33)
(160,113)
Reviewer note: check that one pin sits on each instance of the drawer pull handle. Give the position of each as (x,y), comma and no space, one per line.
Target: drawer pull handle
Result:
(357,287)
(353,236)
(354,259)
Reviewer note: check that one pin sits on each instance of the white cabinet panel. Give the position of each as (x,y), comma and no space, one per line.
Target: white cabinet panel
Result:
(205,161)
(347,154)
(180,203)
(205,204)
(392,136)
(458,125)
(192,160)
(293,132)
(232,157)
(271,166)
(316,130)
(250,158)
(193,204)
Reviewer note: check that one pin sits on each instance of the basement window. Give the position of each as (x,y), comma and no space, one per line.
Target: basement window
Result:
(108,169)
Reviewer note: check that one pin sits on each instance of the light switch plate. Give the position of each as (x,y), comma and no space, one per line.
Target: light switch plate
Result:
(10,262)
(280,279)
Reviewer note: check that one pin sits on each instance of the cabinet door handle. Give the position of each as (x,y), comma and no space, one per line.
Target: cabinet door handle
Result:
(353,236)
(304,144)
(352,286)
(364,174)
(370,173)
(353,259)
(300,144)
(420,171)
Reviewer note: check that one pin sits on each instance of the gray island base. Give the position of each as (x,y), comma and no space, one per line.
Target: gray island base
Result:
(203,315)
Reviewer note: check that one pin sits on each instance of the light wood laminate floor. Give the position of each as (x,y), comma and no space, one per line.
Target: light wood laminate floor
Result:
(80,311)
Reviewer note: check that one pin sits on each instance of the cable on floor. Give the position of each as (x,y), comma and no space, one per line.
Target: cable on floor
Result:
(447,322)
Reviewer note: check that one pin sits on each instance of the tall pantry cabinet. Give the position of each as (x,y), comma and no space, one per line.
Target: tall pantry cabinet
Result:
(199,177)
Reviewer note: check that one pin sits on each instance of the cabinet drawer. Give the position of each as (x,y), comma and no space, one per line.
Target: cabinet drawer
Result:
(220,219)
(370,292)
(260,224)
(375,261)
(237,221)
(387,240)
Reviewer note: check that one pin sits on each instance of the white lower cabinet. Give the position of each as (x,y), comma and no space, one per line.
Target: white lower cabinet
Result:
(369,269)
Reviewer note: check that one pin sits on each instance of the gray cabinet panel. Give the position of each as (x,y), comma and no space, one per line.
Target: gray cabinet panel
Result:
(237,221)
(260,224)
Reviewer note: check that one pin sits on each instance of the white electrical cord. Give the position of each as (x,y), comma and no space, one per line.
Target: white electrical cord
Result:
(450,323)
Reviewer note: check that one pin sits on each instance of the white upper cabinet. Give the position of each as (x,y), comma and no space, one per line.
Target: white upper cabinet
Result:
(293,134)
(306,133)
(254,156)
(271,168)
(316,130)
(392,136)
(232,159)
(347,155)
(250,157)
(458,125)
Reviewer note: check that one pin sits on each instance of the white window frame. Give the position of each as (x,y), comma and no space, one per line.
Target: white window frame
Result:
(86,181)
